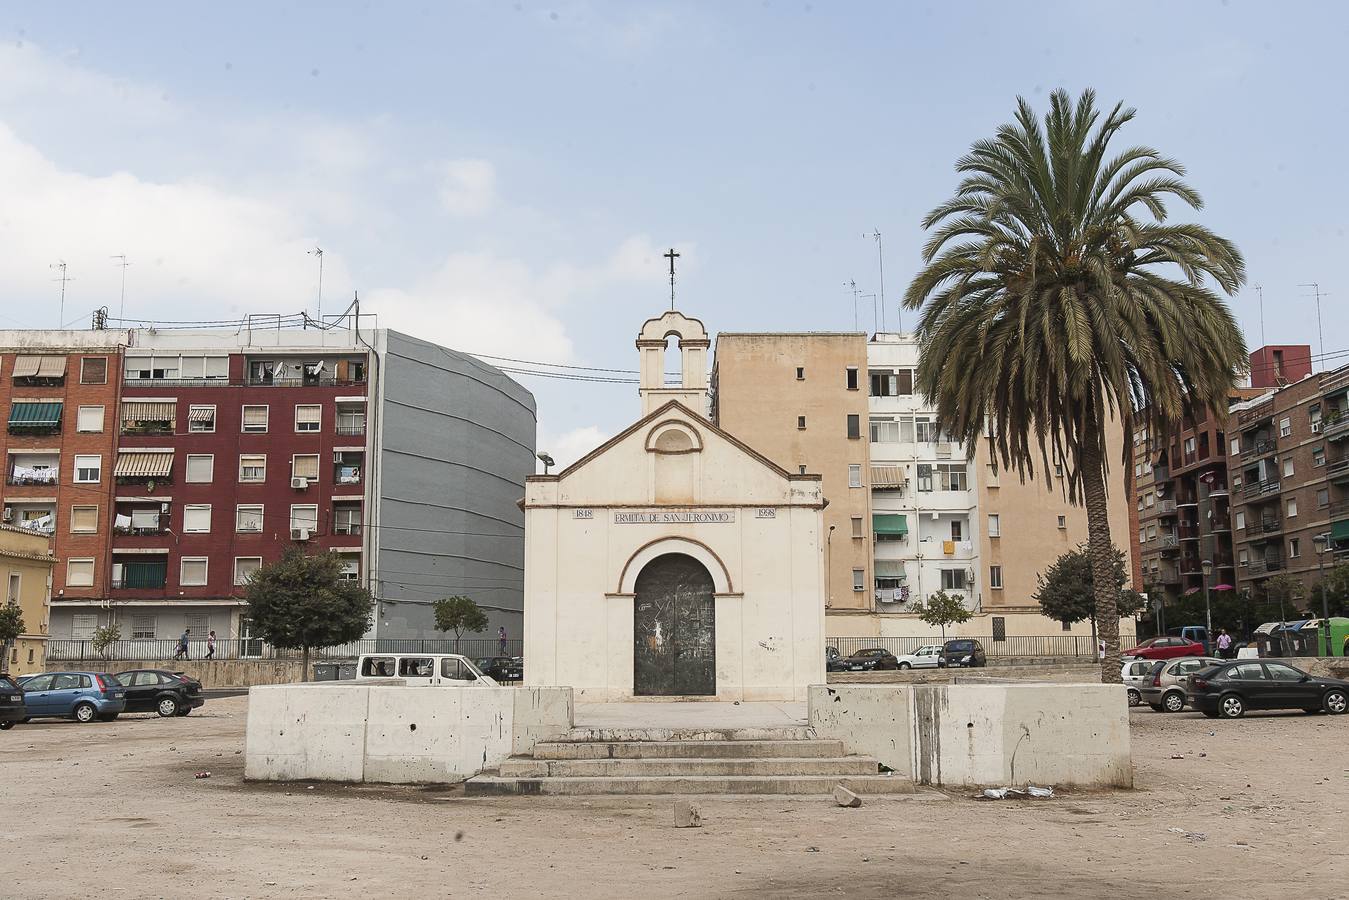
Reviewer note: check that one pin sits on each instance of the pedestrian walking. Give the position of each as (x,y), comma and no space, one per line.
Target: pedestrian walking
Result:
(181,652)
(210,644)
(501,639)
(1224,644)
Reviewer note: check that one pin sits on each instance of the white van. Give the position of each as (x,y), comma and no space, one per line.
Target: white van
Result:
(434,669)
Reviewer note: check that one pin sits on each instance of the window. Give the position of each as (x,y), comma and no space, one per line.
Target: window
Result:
(885,431)
(1236,446)
(1318,457)
(857,527)
(79,573)
(801,469)
(200,468)
(1138,470)
(994,525)
(305,466)
(201,419)
(1288,468)
(350,419)
(1063,521)
(192,571)
(924,477)
(1322,498)
(1243,558)
(196,518)
(1067,626)
(1150,498)
(143,628)
(305,516)
(245,566)
(943,477)
(953,579)
(94,370)
(156,368)
(253,468)
(89,419)
(1247,672)
(84,519)
(15,582)
(347,518)
(801,422)
(854,427)
(83,626)
(1292,507)
(859,579)
(925,430)
(1280,672)
(308,418)
(852,378)
(1241,520)
(206,367)
(1285,427)
(88,469)
(1189,445)
(1152,532)
(248,517)
(957,530)
(995,577)
(255,419)
(1140,501)
(800,373)
(1294,548)
(904,377)
(197,623)
(885,384)
(854,476)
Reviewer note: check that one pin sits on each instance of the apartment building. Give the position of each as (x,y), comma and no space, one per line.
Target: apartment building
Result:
(168,466)
(26,567)
(919,515)
(802,400)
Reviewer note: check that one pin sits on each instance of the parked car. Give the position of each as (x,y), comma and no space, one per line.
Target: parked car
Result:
(82,696)
(1196,633)
(872,659)
(429,669)
(1229,689)
(503,668)
(833,660)
(1134,673)
(962,652)
(925,657)
(1165,648)
(12,709)
(155,690)
(1165,687)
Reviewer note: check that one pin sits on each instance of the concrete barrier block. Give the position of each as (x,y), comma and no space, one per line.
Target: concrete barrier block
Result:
(305,732)
(412,735)
(540,714)
(871,719)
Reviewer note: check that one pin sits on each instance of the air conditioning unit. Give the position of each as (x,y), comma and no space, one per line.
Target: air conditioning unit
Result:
(299,534)
(1316,427)
(9,514)
(299,483)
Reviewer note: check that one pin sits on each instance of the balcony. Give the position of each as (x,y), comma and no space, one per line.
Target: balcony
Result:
(1218,491)
(350,429)
(1257,449)
(21,476)
(1339,510)
(346,474)
(1168,541)
(1188,531)
(1261,412)
(1220,525)
(1262,567)
(1338,471)
(1260,489)
(1183,502)
(1166,508)
(1335,425)
(1191,566)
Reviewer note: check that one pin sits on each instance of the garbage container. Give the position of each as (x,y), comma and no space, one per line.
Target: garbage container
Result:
(325,671)
(346,671)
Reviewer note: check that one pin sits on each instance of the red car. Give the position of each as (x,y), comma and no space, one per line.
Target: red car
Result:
(1166,648)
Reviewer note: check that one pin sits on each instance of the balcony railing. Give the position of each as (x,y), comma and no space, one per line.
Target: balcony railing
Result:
(1167,508)
(1259,448)
(1187,501)
(1338,469)
(1339,509)
(1260,489)
(139,530)
(307,381)
(1335,426)
(40,476)
(1264,566)
(1270,524)
(350,429)
(1256,413)
(1168,540)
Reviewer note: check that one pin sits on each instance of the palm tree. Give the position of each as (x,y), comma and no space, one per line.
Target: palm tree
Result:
(1056,298)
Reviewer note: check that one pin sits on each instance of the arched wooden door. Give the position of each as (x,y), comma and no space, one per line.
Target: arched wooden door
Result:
(674,629)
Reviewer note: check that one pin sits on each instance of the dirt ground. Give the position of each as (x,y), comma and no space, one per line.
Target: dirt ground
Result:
(113,810)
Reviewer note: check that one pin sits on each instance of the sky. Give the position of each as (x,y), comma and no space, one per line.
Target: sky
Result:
(503,177)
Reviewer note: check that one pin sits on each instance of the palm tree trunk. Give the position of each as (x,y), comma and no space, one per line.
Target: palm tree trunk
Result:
(1100,551)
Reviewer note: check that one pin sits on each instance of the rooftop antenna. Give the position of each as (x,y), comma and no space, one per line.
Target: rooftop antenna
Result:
(874,327)
(1260,292)
(121,310)
(852,283)
(318,251)
(61,265)
(671,256)
(1321,335)
(880,261)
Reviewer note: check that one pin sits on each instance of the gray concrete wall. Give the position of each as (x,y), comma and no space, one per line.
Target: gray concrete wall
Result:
(456,439)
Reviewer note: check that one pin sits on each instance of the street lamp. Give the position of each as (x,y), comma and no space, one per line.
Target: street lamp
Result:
(1321,542)
(546,460)
(1206,567)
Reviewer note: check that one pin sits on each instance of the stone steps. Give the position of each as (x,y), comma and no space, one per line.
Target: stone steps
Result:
(844,766)
(584,734)
(495,785)
(672,749)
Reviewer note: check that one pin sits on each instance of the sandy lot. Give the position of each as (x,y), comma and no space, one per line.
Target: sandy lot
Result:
(113,810)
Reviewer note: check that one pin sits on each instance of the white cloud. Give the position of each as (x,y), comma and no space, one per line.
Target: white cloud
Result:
(467,186)
(567,447)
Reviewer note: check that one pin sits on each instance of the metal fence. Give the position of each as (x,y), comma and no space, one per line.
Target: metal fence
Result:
(1013,645)
(141,649)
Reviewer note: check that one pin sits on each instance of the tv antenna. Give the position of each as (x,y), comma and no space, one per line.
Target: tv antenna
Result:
(1260,292)
(852,283)
(121,309)
(880,261)
(318,251)
(63,278)
(1320,333)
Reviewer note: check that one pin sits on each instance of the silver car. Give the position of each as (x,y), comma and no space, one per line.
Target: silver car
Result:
(1164,688)
(1135,672)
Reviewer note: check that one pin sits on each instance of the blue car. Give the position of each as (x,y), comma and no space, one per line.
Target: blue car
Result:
(82,696)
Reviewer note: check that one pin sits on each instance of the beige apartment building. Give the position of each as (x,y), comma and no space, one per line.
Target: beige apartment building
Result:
(26,565)
(801,399)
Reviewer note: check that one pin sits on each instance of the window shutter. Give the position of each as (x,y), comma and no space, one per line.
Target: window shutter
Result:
(255,415)
(305,467)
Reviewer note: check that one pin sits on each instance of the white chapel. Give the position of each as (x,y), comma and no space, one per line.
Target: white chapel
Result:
(673,561)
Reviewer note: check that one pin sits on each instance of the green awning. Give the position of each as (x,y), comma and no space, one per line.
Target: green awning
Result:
(1339,531)
(889,524)
(26,414)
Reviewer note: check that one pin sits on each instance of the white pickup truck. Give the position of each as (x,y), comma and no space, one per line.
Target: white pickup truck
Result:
(431,669)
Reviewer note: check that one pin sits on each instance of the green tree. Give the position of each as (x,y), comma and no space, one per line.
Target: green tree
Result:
(11,626)
(459,614)
(1287,593)
(1056,298)
(942,609)
(302,602)
(104,637)
(1066,590)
